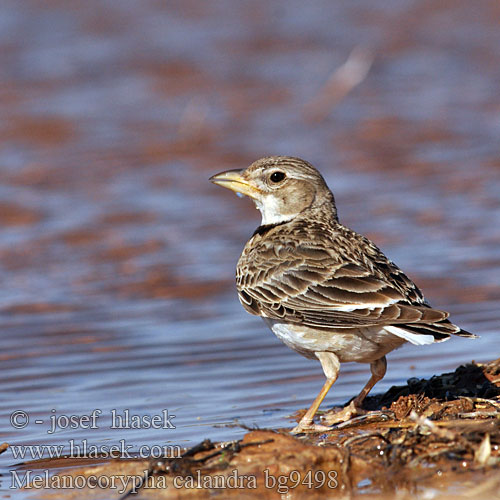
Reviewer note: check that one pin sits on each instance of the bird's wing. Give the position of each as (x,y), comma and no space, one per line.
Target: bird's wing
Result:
(316,287)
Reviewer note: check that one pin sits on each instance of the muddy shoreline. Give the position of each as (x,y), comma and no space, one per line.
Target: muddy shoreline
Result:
(440,434)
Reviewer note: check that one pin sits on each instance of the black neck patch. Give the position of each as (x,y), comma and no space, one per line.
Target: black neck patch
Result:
(262,230)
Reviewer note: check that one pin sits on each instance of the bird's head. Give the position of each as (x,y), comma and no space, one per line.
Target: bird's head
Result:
(282,187)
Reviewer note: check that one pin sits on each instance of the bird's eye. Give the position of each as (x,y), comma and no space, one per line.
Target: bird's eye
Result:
(277,176)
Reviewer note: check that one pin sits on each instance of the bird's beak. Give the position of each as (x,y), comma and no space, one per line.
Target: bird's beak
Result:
(233,180)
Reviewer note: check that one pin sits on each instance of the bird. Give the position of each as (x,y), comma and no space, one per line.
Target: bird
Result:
(326,291)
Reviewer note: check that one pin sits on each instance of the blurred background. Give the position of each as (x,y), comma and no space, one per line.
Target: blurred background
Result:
(117,255)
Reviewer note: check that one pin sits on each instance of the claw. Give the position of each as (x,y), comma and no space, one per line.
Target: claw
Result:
(335,417)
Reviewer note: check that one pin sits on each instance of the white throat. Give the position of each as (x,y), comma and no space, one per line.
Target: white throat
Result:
(269,208)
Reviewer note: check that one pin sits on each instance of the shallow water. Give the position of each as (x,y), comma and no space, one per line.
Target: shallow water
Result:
(117,255)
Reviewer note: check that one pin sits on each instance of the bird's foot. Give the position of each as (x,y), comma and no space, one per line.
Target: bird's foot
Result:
(334,417)
(308,426)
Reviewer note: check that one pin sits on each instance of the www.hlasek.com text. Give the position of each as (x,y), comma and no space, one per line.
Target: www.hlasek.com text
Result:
(83,449)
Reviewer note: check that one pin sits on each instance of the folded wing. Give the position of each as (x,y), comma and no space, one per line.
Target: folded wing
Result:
(316,287)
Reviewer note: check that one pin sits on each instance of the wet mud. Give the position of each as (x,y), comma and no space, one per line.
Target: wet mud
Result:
(428,437)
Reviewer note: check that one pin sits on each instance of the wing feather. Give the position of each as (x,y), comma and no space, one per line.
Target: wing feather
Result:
(320,286)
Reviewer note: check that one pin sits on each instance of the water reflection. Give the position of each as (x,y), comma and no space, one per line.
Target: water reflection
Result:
(116,254)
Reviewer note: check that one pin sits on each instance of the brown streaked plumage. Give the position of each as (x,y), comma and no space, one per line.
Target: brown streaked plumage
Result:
(324,290)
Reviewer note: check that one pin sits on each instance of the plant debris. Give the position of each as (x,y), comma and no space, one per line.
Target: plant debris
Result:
(433,436)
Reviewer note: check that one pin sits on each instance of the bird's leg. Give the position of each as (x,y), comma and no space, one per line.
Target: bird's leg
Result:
(378,369)
(331,367)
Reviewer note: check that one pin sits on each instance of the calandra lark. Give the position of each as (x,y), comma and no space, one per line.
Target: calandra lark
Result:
(324,290)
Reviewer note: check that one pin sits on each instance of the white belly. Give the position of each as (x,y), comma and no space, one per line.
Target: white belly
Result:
(362,345)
